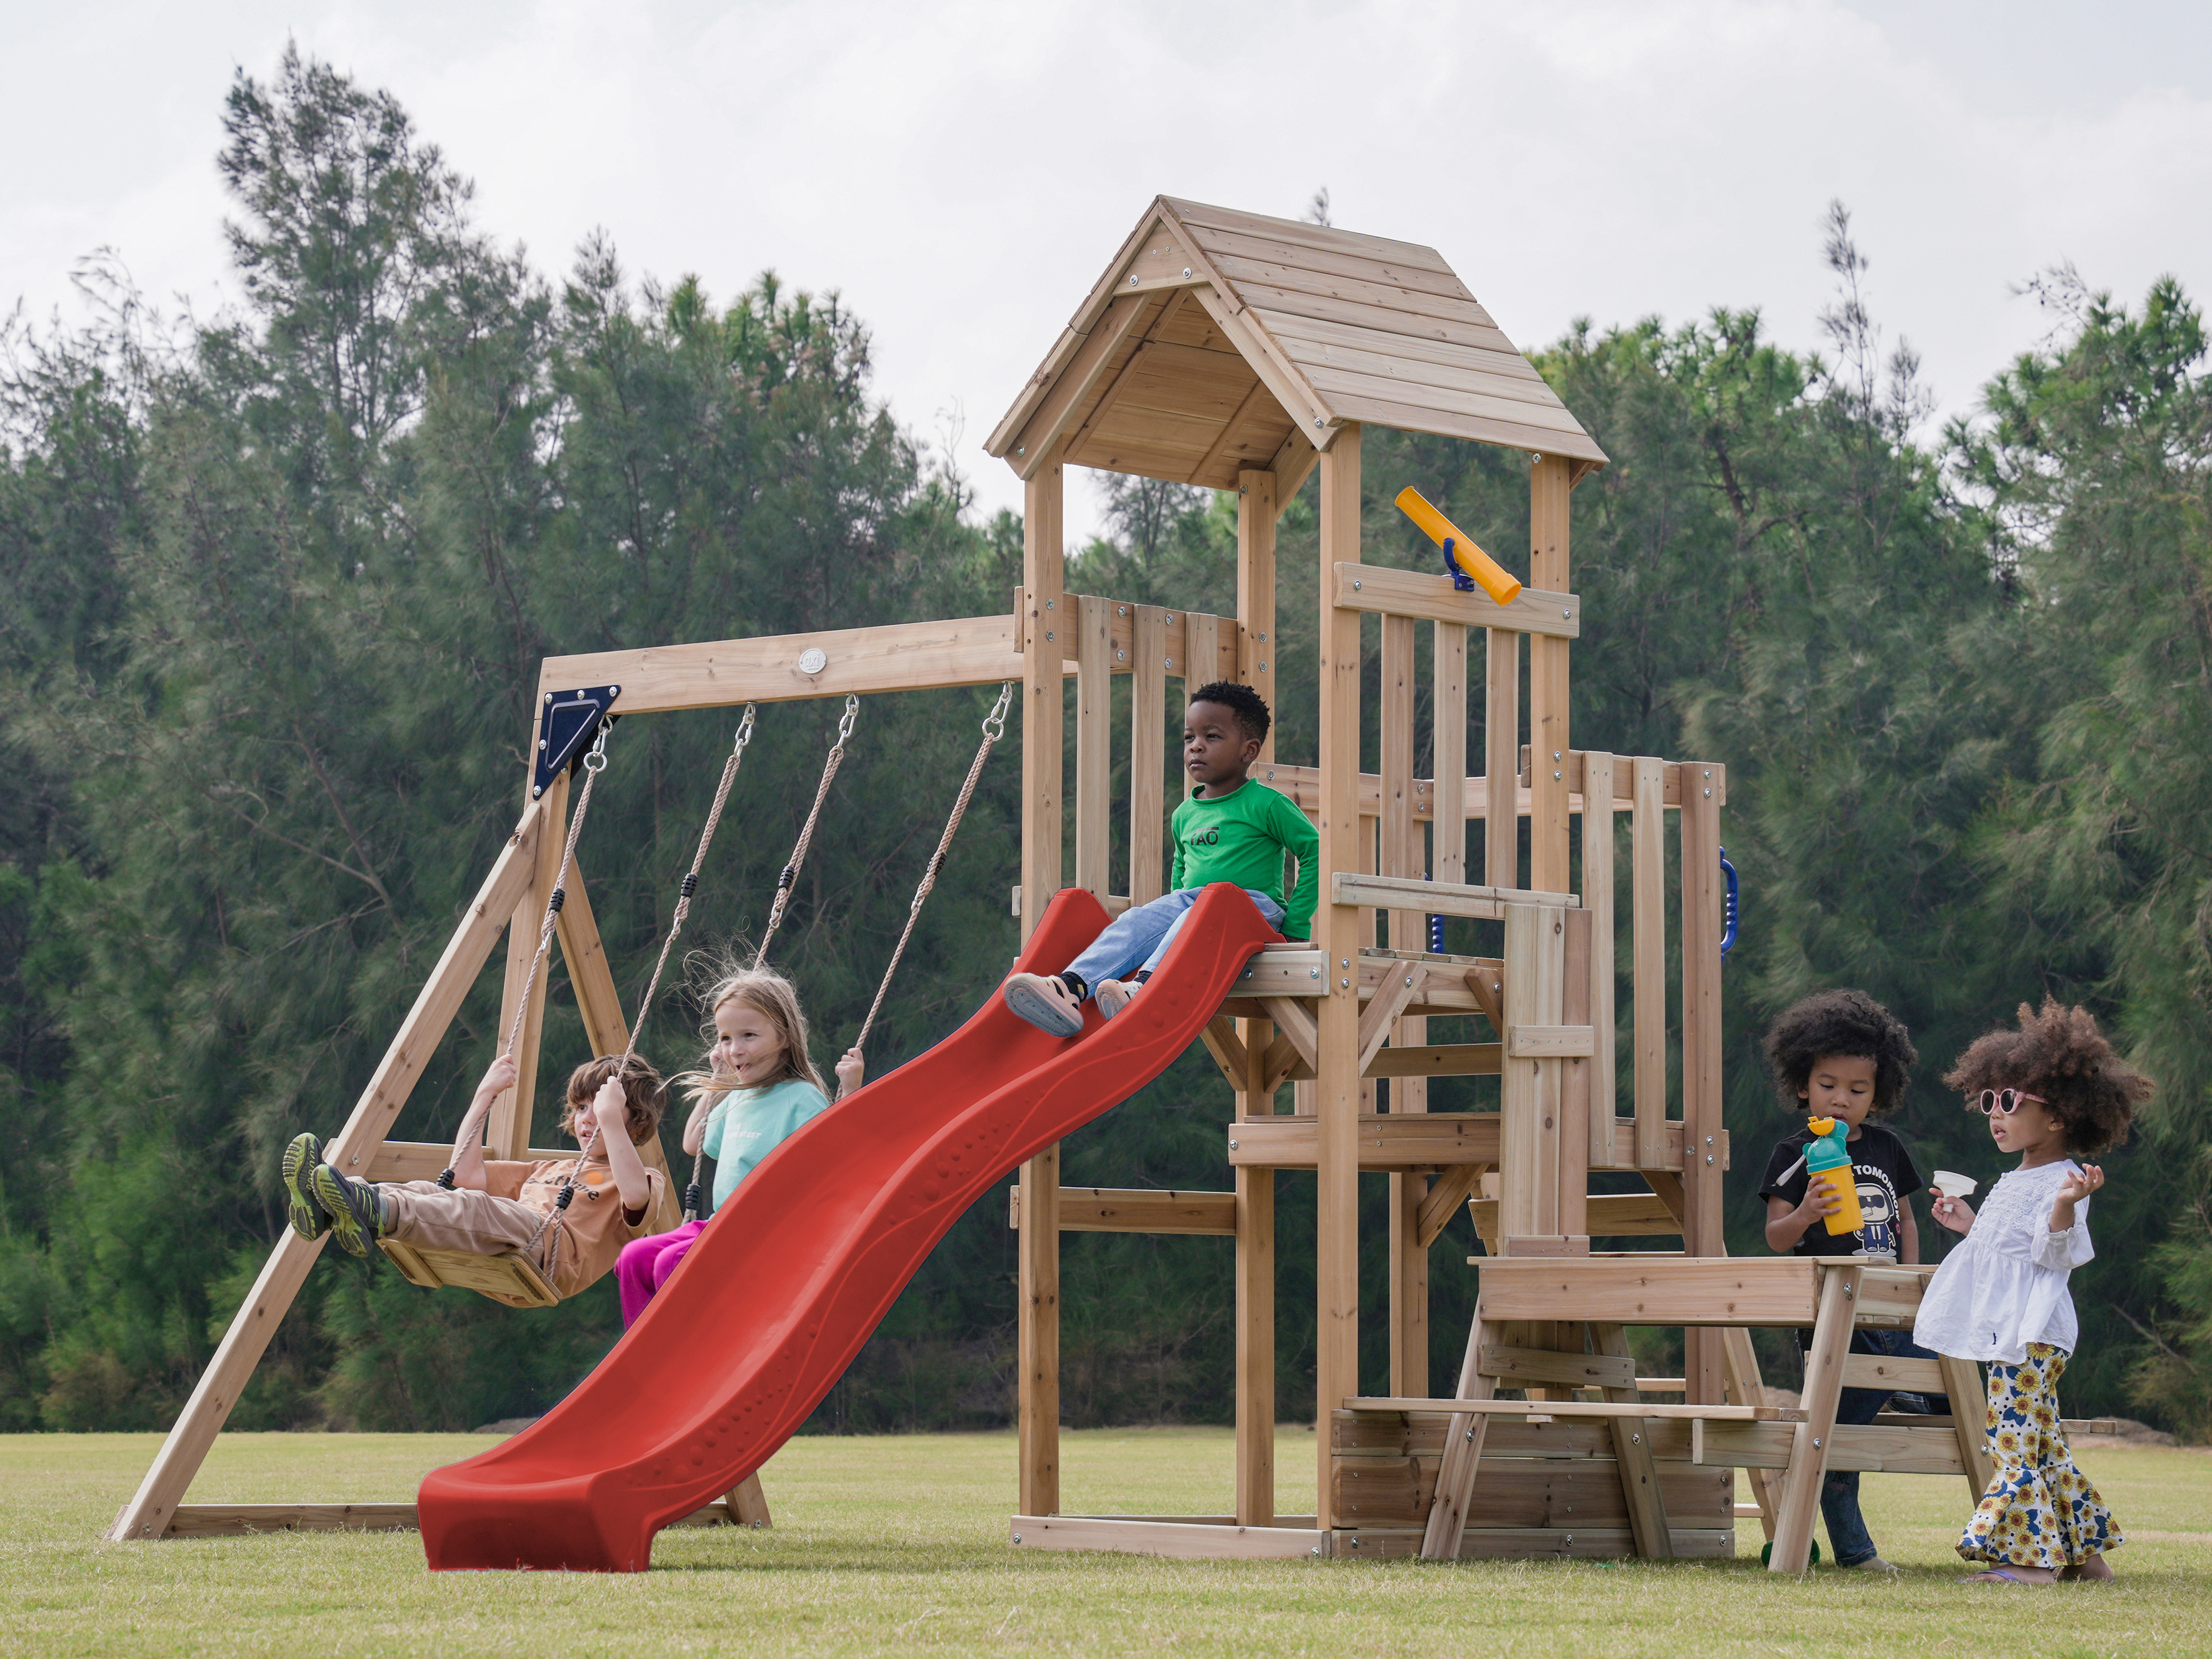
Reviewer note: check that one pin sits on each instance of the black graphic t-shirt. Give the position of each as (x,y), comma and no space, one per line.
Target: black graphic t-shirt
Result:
(1885,1174)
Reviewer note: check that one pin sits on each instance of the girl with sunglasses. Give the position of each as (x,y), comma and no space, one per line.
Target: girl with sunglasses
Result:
(2053,1091)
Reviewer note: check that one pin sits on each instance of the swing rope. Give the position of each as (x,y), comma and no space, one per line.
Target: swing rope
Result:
(806,834)
(995,728)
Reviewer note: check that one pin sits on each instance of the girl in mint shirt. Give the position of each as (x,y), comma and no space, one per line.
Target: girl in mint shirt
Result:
(758,1085)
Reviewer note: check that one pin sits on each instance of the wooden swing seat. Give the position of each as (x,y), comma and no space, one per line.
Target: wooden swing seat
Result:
(511,1279)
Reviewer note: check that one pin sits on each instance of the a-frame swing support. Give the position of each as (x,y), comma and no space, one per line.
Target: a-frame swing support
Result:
(923,656)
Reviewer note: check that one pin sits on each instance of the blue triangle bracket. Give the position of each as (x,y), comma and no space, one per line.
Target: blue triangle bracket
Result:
(566,723)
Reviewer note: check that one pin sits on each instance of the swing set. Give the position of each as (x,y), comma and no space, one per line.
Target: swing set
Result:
(1236,352)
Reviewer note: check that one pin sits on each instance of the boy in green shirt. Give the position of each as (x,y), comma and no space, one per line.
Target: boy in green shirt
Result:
(1229,829)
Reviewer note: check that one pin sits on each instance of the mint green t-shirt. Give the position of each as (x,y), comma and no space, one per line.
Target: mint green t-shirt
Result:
(1241,837)
(748,1124)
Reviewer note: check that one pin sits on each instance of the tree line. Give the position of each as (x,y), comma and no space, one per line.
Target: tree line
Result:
(279,583)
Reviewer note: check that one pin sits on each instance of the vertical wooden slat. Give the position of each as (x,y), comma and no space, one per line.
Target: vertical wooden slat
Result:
(1528,1135)
(1203,637)
(1148,754)
(1462,1458)
(1037,1250)
(1700,788)
(1092,620)
(1548,681)
(1399,855)
(506,1128)
(1449,762)
(1597,896)
(1811,1441)
(1501,744)
(1575,1081)
(1336,1342)
(1647,860)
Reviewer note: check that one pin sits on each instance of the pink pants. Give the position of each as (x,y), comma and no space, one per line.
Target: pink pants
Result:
(646,1263)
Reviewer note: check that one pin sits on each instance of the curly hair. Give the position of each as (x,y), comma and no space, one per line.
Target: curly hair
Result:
(1250,708)
(2059,1055)
(1848,1023)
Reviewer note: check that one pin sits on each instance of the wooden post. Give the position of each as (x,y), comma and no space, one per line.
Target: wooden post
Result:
(1337,930)
(1093,619)
(1707,1370)
(1402,853)
(1577,1085)
(1044,641)
(1597,898)
(152,1507)
(1548,746)
(507,1129)
(605,1029)
(1256,647)
(1448,766)
(1647,859)
(1528,1135)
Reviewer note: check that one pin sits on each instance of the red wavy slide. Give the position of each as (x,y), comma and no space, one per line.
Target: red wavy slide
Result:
(792,1275)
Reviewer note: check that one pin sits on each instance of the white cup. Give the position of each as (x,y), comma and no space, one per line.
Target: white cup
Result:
(1954,1185)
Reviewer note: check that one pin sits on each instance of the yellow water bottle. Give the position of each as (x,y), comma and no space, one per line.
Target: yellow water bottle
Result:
(1825,1159)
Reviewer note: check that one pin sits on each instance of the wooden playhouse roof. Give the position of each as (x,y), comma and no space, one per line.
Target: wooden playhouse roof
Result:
(1218,341)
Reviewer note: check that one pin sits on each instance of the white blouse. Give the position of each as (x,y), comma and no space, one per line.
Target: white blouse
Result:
(2004,1285)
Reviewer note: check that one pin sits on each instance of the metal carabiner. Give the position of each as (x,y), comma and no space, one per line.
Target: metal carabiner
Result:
(596,759)
(845,725)
(994,723)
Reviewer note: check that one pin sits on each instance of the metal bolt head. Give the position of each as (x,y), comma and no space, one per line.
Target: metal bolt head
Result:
(1047,605)
(1635,1439)
(1133,282)
(1344,962)
(1708,795)
(1017,1537)
(1317,420)
(1346,983)
(1263,639)
(1355,583)
(1021,449)
(1047,633)
(1263,668)
(1186,271)
(1232,1146)
(1816,1444)
(1313,973)
(1121,610)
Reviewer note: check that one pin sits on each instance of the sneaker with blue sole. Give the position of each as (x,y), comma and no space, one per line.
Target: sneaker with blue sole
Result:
(357,1217)
(300,1210)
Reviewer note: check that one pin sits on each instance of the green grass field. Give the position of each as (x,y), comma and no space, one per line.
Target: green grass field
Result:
(899,1546)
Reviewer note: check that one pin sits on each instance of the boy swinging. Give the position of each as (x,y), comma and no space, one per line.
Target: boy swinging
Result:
(1229,829)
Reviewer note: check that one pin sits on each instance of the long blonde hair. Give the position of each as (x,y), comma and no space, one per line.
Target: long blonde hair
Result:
(776,1000)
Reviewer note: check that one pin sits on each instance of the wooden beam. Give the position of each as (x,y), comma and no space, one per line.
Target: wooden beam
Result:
(600,1004)
(1074,383)
(1253,398)
(1445,898)
(1375,1022)
(507,1129)
(1597,895)
(1402,853)
(1222,1041)
(1433,599)
(1575,1079)
(1647,947)
(722,673)
(1653,1290)
(1256,638)
(1136,1210)
(153,1506)
(1527,1169)
(1292,464)
(1255,1348)
(1337,931)
(1462,1458)
(1590,1408)
(1426,1140)
(1446,1194)
(1520,1368)
(1746,1389)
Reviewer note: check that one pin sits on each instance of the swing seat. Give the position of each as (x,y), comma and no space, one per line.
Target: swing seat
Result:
(511,1279)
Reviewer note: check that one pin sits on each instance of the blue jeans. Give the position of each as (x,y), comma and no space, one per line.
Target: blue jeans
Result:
(1840,1492)
(1138,937)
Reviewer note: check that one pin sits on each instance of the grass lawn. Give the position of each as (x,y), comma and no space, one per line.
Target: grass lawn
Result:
(899,1546)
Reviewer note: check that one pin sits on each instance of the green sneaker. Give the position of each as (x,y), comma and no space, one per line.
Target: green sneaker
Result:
(299,1206)
(357,1213)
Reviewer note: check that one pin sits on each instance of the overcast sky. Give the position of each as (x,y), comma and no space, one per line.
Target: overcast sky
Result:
(962,172)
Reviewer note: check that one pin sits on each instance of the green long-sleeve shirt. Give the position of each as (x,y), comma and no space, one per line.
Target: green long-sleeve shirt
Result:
(1241,837)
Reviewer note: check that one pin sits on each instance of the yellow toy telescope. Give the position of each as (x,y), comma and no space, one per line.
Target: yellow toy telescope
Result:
(1462,558)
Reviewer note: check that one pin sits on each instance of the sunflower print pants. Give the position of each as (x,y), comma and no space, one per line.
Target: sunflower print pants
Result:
(2040,1511)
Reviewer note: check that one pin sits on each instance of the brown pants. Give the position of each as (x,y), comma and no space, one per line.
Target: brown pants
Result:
(427,1215)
